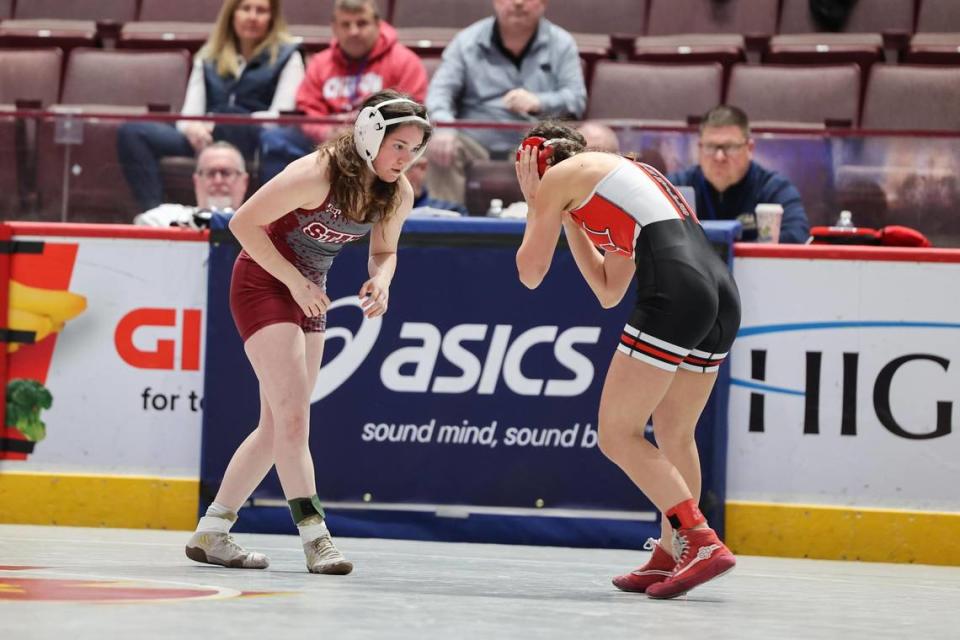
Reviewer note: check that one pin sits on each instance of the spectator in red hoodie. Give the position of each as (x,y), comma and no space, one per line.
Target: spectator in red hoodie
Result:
(363,58)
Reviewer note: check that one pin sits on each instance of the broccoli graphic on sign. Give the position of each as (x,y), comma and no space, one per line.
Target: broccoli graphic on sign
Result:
(25,400)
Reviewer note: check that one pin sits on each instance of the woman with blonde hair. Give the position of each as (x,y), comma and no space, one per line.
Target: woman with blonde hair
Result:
(291,231)
(249,65)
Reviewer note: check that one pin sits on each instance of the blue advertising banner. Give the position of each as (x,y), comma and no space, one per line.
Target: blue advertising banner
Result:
(467,412)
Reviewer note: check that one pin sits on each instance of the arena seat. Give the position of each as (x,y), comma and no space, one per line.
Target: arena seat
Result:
(937,40)
(170,24)
(804,96)
(6,9)
(452,14)
(938,16)
(656,94)
(28,74)
(746,17)
(691,31)
(65,34)
(179,11)
(488,179)
(912,97)
(116,10)
(593,29)
(867,16)
(934,48)
(311,12)
(725,48)
(863,49)
(123,82)
(428,26)
(164,35)
(875,30)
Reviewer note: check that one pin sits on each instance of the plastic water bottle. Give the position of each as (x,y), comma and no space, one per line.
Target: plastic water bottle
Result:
(845,221)
(496,208)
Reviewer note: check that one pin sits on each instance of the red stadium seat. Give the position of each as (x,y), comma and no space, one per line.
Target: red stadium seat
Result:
(939,16)
(692,31)
(934,48)
(116,10)
(937,40)
(65,34)
(746,17)
(774,95)
(912,97)
(655,94)
(427,26)
(122,82)
(171,24)
(29,74)
(863,49)
(164,35)
(725,48)
(311,12)
(490,179)
(867,16)
(179,11)
(451,14)
(611,16)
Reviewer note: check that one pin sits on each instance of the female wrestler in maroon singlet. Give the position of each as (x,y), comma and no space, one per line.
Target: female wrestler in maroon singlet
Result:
(686,317)
(291,230)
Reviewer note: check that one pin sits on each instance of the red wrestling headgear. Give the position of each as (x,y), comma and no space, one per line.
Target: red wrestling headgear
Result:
(544,153)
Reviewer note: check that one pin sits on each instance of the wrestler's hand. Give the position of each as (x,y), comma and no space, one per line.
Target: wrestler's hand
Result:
(312,300)
(374,295)
(528,176)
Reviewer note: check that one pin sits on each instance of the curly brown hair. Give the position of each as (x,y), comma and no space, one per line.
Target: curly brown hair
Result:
(348,171)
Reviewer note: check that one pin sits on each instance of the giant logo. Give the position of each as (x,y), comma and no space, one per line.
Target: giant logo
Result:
(502,358)
(904,383)
(138,342)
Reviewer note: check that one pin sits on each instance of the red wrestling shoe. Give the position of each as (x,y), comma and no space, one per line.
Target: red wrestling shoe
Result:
(658,568)
(701,557)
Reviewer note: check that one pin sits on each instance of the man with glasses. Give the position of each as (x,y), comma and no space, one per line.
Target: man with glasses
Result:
(219,184)
(729,184)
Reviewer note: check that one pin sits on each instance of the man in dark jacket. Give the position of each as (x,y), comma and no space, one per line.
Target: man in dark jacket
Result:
(729,184)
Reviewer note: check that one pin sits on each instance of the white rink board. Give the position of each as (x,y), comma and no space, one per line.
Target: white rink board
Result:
(899,324)
(99,421)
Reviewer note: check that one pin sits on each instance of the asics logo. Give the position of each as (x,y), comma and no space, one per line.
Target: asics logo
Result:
(355,350)
(494,359)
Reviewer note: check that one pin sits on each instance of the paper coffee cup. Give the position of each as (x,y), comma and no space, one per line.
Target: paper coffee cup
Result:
(768,222)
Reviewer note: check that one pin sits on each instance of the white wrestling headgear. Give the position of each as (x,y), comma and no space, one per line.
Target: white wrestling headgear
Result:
(371,127)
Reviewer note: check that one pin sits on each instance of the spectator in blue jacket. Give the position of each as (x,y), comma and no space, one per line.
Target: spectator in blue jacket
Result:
(515,66)
(729,184)
(249,65)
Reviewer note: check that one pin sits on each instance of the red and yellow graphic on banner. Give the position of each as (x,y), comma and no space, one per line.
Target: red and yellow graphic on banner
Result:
(38,302)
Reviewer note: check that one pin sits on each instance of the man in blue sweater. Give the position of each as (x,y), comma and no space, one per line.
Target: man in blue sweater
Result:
(729,184)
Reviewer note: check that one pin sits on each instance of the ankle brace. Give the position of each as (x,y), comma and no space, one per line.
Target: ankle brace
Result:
(685,515)
(303,508)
